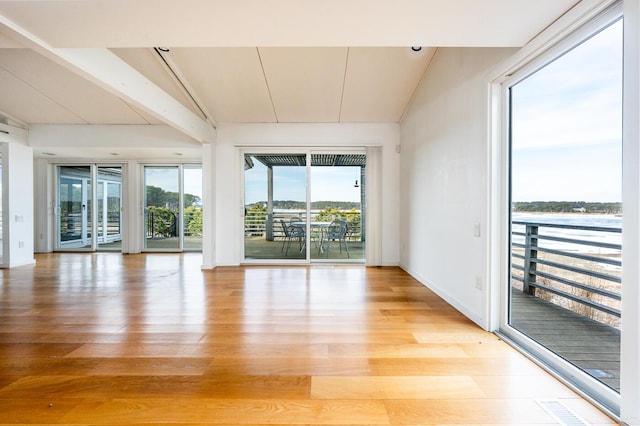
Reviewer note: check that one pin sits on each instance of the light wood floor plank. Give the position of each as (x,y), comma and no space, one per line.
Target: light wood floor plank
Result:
(106,339)
(469,411)
(221,411)
(395,387)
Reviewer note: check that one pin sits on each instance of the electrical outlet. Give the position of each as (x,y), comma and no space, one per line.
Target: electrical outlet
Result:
(479,283)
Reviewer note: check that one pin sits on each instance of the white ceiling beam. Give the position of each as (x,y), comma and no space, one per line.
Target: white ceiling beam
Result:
(108,71)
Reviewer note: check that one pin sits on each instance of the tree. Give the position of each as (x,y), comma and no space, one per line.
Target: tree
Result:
(191,200)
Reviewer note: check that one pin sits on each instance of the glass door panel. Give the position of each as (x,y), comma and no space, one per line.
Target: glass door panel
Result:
(192,204)
(162,208)
(275,209)
(109,200)
(337,192)
(74,208)
(566,211)
(1,225)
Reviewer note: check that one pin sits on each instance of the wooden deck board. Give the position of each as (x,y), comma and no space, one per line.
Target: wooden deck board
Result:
(590,345)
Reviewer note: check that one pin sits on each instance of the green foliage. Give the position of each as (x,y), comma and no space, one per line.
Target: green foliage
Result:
(193,221)
(191,200)
(254,219)
(340,205)
(329,213)
(161,222)
(161,219)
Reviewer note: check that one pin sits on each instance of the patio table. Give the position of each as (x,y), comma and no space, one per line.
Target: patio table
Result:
(319,227)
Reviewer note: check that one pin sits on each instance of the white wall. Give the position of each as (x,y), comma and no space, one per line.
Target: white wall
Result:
(17,211)
(443,177)
(229,168)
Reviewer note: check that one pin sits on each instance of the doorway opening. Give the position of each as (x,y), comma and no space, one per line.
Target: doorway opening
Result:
(305,207)
(85,222)
(172,192)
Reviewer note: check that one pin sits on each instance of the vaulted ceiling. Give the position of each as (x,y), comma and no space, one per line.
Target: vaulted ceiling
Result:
(329,61)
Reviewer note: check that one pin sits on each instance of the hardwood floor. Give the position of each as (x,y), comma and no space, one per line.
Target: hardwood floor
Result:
(151,339)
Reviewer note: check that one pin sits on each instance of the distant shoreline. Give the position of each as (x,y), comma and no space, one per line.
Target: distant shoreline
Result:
(581,207)
(568,213)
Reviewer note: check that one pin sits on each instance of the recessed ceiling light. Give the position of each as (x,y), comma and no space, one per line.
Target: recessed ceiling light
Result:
(114,154)
(177,153)
(48,153)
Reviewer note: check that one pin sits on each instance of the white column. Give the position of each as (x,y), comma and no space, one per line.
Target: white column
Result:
(132,195)
(17,203)
(208,206)
(373,207)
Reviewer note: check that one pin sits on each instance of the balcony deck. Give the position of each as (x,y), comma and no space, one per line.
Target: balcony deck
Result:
(588,344)
(259,248)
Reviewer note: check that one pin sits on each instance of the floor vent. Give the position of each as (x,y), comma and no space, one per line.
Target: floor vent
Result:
(562,414)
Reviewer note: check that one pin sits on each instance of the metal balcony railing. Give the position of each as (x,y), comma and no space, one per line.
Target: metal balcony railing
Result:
(570,265)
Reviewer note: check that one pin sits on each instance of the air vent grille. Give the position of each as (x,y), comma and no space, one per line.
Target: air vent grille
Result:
(562,414)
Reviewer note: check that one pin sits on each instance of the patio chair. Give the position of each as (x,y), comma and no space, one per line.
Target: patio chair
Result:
(336,231)
(292,232)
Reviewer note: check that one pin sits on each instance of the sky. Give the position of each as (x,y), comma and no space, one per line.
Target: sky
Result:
(567,125)
(289,183)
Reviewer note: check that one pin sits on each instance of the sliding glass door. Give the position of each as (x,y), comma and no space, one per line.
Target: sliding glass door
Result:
(192,205)
(74,207)
(109,208)
(161,208)
(172,192)
(275,207)
(303,207)
(85,222)
(337,194)
(565,287)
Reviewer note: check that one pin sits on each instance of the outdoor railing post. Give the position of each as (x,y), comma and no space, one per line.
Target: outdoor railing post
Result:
(269,227)
(530,255)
